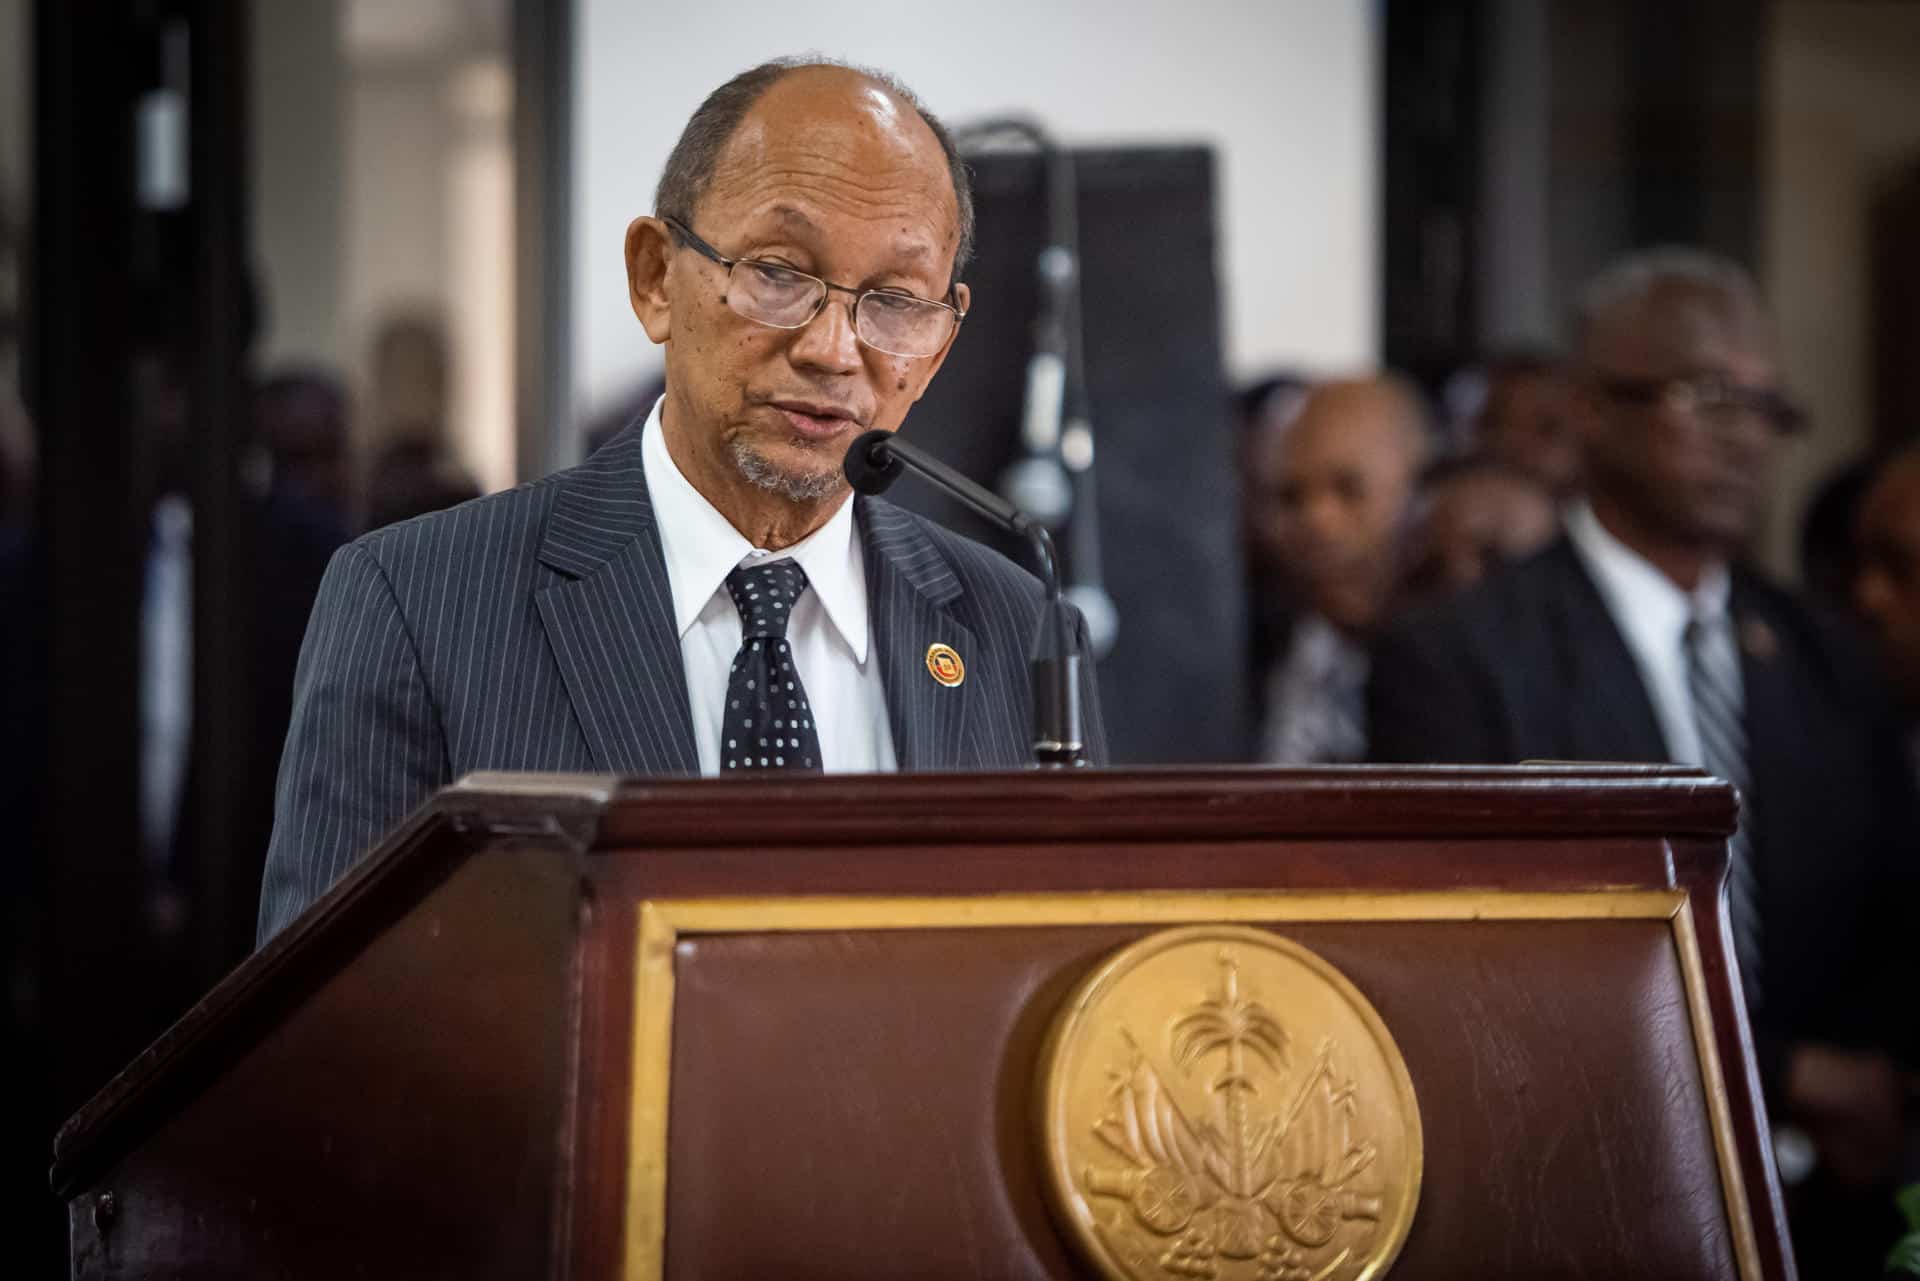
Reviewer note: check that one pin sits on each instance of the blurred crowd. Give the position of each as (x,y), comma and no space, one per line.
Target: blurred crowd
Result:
(1553,559)
(314,473)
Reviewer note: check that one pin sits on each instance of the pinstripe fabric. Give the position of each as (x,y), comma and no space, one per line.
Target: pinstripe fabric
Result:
(533,630)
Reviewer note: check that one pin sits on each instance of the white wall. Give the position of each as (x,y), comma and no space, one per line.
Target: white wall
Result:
(1285,89)
(1845,83)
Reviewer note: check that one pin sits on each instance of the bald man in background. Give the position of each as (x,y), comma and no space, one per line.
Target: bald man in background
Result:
(1329,493)
(1640,636)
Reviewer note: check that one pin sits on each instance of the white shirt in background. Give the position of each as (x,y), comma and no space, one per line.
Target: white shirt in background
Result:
(1317,699)
(1652,613)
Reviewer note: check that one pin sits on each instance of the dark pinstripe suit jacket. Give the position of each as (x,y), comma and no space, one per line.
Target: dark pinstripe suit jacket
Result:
(533,630)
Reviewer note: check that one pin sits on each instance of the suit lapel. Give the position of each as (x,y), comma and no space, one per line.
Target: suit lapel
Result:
(910,590)
(1608,713)
(609,617)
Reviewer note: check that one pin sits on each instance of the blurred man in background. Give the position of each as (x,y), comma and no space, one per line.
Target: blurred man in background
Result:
(300,426)
(1527,421)
(1886,589)
(1829,534)
(1329,491)
(413,474)
(1637,637)
(1473,516)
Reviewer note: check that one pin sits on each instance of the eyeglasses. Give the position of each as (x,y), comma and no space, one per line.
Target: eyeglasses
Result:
(899,324)
(1709,398)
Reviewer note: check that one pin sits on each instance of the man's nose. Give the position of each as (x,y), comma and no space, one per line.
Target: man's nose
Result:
(1323,515)
(827,342)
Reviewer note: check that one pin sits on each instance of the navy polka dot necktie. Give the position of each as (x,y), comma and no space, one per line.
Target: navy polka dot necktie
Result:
(767,723)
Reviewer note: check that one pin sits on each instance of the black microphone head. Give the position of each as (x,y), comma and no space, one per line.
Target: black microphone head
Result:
(870,465)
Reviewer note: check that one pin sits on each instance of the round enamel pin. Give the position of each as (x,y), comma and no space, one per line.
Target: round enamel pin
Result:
(945,665)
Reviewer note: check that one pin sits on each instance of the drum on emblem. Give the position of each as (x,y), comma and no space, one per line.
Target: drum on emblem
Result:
(1219,1102)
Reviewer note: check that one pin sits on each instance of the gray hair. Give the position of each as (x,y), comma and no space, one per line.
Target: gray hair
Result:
(691,164)
(1630,281)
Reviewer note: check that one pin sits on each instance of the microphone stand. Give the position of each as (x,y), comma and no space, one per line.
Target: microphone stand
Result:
(874,462)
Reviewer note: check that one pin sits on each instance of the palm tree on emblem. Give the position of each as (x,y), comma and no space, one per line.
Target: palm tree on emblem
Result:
(1237,1026)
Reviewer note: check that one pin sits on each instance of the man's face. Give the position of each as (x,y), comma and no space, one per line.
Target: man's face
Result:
(828,175)
(1479,521)
(1528,425)
(1692,476)
(1336,487)
(1887,589)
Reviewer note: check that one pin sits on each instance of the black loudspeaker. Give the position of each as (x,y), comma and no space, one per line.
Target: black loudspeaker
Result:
(1173,688)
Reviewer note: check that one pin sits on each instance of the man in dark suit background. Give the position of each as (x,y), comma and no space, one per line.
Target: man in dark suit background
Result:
(700,595)
(1328,496)
(1640,637)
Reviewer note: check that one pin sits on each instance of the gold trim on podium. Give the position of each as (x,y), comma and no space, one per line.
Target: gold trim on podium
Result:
(662,922)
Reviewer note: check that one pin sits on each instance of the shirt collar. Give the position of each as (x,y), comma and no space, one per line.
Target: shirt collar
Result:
(1642,597)
(702,547)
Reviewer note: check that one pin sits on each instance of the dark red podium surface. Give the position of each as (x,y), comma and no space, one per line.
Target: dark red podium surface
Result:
(577,1027)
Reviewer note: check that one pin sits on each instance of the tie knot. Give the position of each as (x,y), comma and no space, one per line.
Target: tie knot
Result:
(765,595)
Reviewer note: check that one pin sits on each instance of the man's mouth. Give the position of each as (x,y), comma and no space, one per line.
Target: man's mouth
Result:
(816,420)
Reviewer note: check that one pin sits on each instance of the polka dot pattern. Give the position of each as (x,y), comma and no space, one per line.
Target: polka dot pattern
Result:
(768,723)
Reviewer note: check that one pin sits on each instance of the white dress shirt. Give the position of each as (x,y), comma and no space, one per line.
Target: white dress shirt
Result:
(830,632)
(1652,613)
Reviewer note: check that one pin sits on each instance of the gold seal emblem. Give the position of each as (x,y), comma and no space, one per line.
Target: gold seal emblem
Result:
(1218,1102)
(945,665)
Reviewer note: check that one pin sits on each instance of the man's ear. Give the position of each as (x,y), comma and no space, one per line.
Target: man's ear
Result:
(649,251)
(963,299)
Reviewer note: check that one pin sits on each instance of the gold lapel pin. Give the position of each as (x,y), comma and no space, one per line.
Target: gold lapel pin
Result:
(944,664)
(1758,640)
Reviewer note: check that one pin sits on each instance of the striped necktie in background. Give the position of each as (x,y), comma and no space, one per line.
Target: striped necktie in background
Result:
(1713,679)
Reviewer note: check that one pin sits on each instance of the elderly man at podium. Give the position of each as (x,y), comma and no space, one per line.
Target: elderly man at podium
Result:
(704,594)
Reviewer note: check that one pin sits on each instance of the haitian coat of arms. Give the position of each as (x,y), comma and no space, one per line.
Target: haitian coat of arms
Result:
(1218,1103)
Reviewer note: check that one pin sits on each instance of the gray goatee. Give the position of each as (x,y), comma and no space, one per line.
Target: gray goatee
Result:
(794,486)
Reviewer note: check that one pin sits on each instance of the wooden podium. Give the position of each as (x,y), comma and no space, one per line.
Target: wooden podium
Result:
(577,1027)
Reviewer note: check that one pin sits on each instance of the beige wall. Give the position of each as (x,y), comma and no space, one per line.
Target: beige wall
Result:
(396,214)
(297,152)
(382,187)
(16,98)
(1845,97)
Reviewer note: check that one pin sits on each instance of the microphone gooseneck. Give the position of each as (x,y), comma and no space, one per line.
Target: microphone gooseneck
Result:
(877,459)
(1052,476)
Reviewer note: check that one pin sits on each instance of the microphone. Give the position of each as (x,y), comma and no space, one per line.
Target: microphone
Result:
(874,462)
